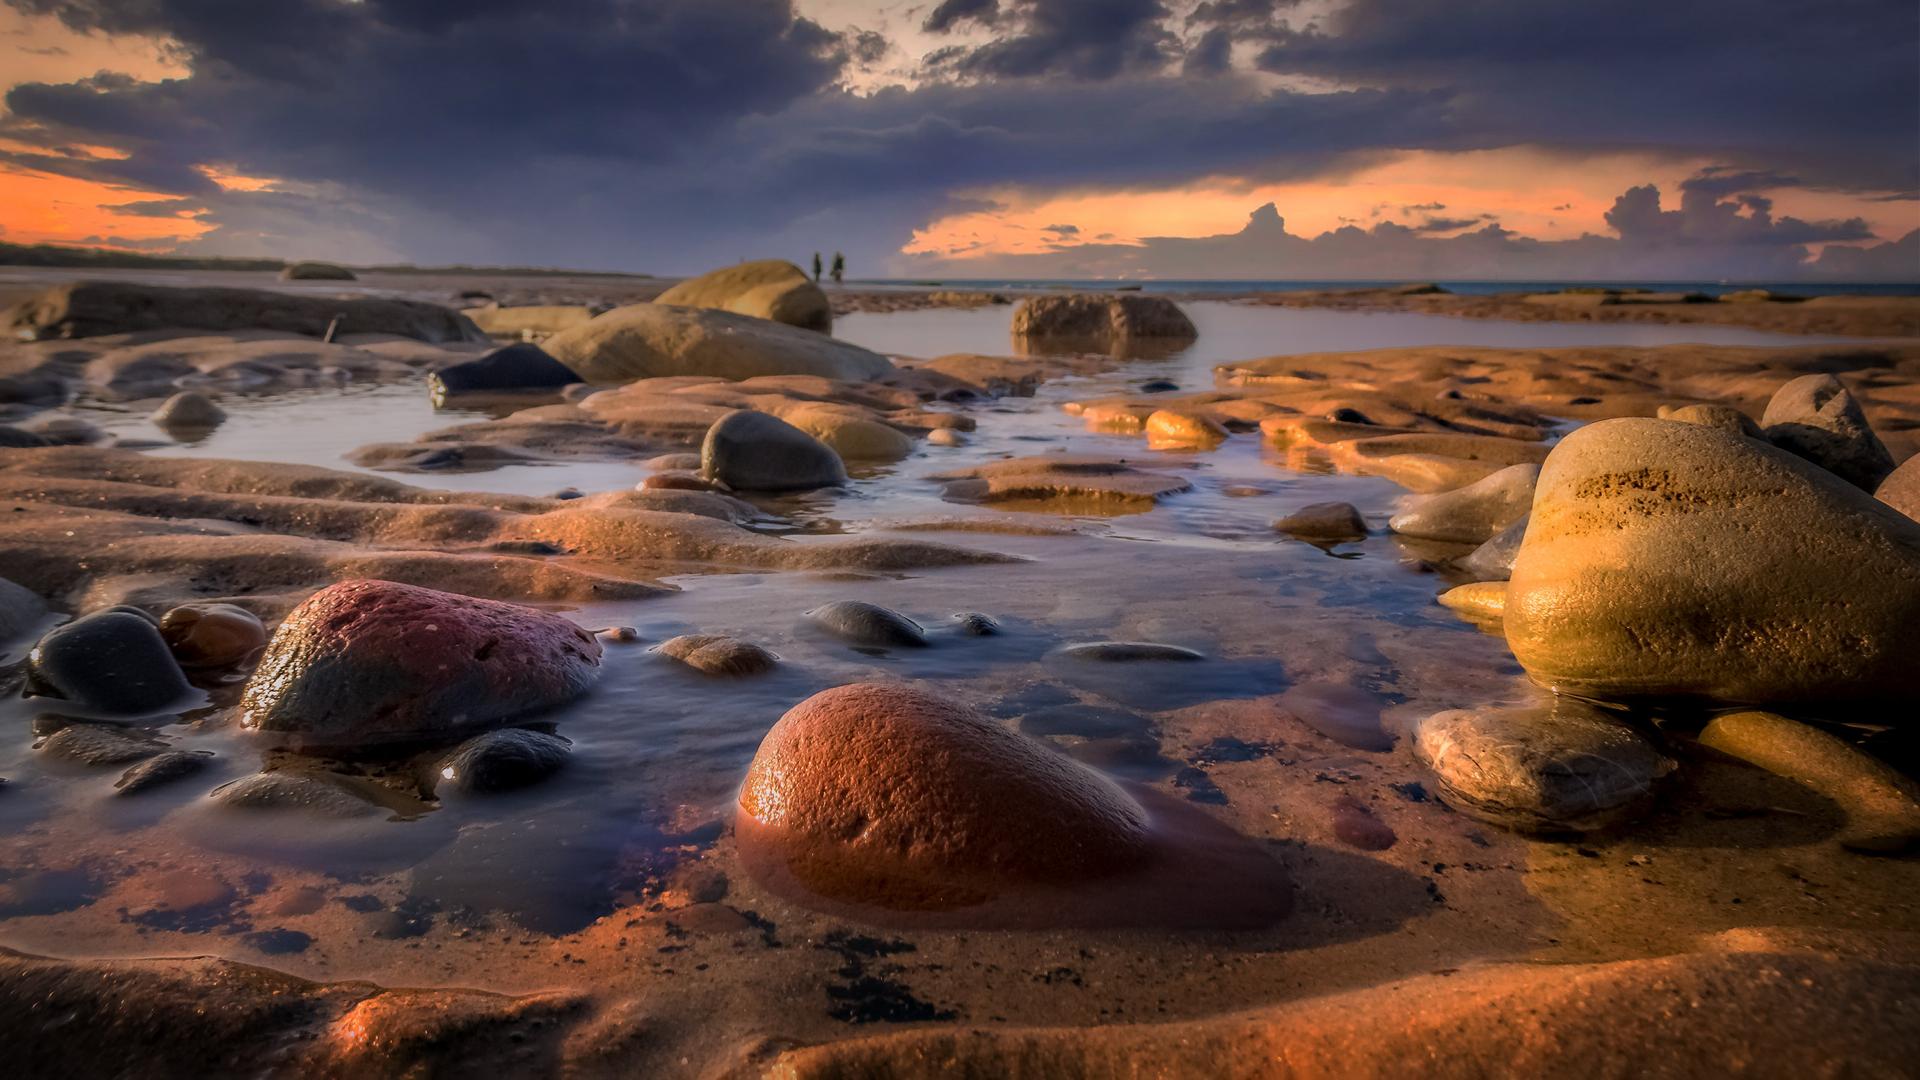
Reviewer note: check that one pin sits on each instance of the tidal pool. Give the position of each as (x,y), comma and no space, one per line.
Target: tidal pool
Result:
(620,874)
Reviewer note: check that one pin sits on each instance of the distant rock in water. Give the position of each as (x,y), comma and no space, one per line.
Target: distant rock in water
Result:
(91,308)
(189,410)
(756,451)
(366,662)
(1100,320)
(1817,418)
(771,289)
(503,760)
(644,341)
(861,623)
(890,796)
(1564,767)
(521,367)
(316,271)
(114,661)
(1653,545)
(717,654)
(1325,521)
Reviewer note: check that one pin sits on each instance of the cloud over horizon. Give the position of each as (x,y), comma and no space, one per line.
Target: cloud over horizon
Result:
(674,135)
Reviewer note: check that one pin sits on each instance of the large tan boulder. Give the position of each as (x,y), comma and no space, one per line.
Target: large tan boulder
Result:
(529,320)
(765,289)
(1672,559)
(644,341)
(1102,321)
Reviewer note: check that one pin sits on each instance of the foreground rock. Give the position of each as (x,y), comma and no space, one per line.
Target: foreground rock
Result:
(114,661)
(516,368)
(766,289)
(1669,559)
(89,308)
(366,662)
(1556,768)
(1473,514)
(890,796)
(717,654)
(753,451)
(646,341)
(1882,805)
(1816,417)
(1101,320)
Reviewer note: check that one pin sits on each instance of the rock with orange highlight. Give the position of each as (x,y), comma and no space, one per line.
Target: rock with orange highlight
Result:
(890,796)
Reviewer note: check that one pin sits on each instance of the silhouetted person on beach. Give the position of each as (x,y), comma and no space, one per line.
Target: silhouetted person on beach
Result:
(816,268)
(839,266)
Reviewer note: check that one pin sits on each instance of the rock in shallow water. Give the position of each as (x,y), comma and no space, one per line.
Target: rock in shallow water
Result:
(1563,767)
(213,635)
(189,410)
(975,623)
(365,662)
(643,341)
(162,769)
(1473,514)
(100,744)
(861,623)
(1817,418)
(1493,560)
(890,796)
(521,367)
(503,760)
(305,792)
(1101,320)
(114,661)
(1325,521)
(752,451)
(1669,559)
(716,654)
(1881,804)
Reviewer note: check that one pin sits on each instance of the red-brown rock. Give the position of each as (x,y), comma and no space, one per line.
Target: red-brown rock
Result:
(890,796)
(375,661)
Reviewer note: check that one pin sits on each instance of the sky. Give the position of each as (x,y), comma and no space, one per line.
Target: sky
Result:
(1763,140)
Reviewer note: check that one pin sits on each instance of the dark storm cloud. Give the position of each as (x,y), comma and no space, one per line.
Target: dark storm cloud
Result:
(1447,225)
(951,13)
(676,134)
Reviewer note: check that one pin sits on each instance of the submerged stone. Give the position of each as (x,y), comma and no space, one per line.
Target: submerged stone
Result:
(861,623)
(376,661)
(503,760)
(891,796)
(1563,767)
(1882,805)
(976,623)
(114,661)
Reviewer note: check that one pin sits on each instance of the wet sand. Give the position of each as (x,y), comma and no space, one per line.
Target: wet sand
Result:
(611,904)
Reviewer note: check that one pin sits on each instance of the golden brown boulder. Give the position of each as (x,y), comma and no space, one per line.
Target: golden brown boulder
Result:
(1881,804)
(765,289)
(1102,321)
(894,797)
(643,341)
(1671,559)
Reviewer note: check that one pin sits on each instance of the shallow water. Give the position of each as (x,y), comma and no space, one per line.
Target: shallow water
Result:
(1316,661)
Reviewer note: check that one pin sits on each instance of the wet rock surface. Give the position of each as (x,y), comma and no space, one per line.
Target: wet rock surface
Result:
(114,661)
(1328,522)
(213,635)
(1101,320)
(375,661)
(190,411)
(1881,805)
(750,451)
(652,340)
(889,796)
(504,760)
(162,769)
(1472,514)
(294,792)
(717,654)
(860,623)
(1671,559)
(520,367)
(1562,767)
(100,744)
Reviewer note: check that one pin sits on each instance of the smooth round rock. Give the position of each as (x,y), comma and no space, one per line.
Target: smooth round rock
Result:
(854,438)
(717,654)
(518,368)
(1167,428)
(1668,559)
(1563,767)
(976,623)
(891,796)
(365,662)
(772,289)
(1817,418)
(1493,560)
(1325,522)
(503,760)
(113,661)
(1723,417)
(1481,601)
(189,409)
(1129,652)
(752,451)
(643,341)
(1882,805)
(1473,514)
(162,769)
(861,623)
(946,437)
(100,744)
(213,635)
(295,791)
